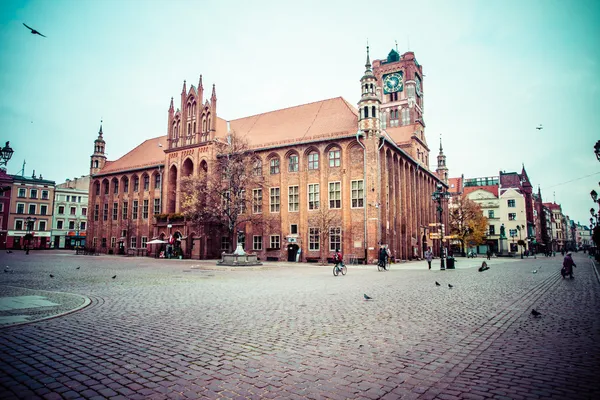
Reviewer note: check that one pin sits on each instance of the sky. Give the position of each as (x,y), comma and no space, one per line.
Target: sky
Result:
(493,71)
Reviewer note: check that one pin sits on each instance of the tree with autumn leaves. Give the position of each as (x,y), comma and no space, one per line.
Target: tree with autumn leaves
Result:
(223,196)
(467,222)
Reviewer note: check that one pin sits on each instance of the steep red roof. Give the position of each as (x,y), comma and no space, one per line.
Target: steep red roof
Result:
(145,155)
(490,188)
(318,120)
(455,185)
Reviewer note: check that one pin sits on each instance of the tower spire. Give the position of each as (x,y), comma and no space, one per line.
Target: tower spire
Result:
(171,108)
(184,89)
(100,131)
(214,93)
(200,87)
(368,63)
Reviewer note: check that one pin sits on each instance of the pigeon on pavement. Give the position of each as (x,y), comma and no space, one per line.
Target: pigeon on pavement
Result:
(437,283)
(114,277)
(450,286)
(535,313)
(534,271)
(77,267)
(9,251)
(51,276)
(367,297)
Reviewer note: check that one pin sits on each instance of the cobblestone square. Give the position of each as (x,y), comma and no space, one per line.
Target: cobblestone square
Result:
(176,329)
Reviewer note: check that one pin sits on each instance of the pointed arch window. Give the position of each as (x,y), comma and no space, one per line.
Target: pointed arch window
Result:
(257,169)
(204,124)
(405,116)
(373,113)
(366,112)
(274,166)
(334,158)
(293,165)
(313,160)
(97,188)
(95,163)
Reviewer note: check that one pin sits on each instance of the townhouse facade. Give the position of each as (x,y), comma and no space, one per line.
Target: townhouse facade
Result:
(30,212)
(69,221)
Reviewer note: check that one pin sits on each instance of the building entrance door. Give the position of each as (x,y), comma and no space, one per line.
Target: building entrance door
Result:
(292,251)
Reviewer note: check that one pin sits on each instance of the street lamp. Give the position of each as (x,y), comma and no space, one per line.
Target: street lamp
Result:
(597,149)
(5,154)
(520,240)
(438,196)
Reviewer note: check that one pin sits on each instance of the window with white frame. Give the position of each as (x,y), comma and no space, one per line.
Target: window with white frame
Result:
(134,210)
(274,200)
(257,201)
(144,241)
(156,206)
(242,201)
(293,198)
(334,158)
(96,212)
(22,192)
(61,209)
(18,225)
(20,208)
(256,242)
(490,213)
(512,216)
(274,166)
(124,210)
(313,196)
(257,168)
(335,195)
(43,209)
(59,224)
(146,183)
(113,241)
(94,242)
(335,238)
(32,209)
(82,226)
(145,209)
(133,242)
(358,194)
(511,203)
(136,184)
(115,211)
(44,195)
(73,210)
(313,160)
(33,193)
(314,239)
(42,226)
(83,211)
(274,242)
(71,225)
(105,213)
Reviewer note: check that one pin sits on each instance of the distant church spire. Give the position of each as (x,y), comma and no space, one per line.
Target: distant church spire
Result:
(442,169)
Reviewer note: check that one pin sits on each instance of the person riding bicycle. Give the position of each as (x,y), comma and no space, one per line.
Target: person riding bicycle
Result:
(382,257)
(338,258)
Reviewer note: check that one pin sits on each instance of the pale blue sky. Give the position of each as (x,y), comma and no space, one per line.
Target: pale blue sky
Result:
(494,70)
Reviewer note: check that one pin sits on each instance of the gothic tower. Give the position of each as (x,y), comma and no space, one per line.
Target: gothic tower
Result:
(98,159)
(369,103)
(442,169)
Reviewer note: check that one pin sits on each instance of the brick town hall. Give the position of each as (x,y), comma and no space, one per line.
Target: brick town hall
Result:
(369,166)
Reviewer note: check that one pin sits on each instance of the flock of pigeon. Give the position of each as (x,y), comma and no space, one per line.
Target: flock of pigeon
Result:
(9,270)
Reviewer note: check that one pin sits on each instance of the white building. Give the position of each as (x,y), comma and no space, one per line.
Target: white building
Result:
(69,222)
(512,215)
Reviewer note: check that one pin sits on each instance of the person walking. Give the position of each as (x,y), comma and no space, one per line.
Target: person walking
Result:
(568,265)
(489,253)
(429,256)
(382,256)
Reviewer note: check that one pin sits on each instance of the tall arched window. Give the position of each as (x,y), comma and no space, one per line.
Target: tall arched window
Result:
(366,111)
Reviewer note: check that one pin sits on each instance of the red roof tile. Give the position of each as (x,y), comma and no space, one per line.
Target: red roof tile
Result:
(146,154)
(321,119)
(455,185)
(491,188)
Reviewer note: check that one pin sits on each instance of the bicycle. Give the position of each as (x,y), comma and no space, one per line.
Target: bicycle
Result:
(381,266)
(337,269)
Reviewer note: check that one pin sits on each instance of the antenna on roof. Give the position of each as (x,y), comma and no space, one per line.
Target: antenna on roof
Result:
(395,41)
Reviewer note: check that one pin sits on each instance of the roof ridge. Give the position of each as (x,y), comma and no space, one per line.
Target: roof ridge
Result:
(291,107)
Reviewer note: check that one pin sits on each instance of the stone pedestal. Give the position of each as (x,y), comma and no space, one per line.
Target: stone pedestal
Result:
(239,260)
(503,248)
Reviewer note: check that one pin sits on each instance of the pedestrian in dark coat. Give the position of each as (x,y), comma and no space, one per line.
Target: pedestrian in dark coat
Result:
(568,265)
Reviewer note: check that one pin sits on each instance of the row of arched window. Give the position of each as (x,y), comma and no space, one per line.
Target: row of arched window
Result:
(123,186)
(334,159)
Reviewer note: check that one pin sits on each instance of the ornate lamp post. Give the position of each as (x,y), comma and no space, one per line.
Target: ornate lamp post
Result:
(438,196)
(597,150)
(5,154)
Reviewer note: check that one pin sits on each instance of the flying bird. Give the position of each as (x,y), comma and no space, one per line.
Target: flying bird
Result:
(539,128)
(535,313)
(437,283)
(114,276)
(367,297)
(450,286)
(33,31)
(51,276)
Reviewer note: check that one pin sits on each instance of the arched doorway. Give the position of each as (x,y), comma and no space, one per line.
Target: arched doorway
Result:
(292,252)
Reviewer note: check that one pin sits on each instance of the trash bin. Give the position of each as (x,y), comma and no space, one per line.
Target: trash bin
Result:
(450,263)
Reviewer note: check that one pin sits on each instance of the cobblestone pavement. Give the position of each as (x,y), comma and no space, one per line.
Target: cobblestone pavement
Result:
(181,329)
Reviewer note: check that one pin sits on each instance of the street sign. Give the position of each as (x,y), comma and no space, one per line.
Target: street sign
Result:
(434,224)
(434,236)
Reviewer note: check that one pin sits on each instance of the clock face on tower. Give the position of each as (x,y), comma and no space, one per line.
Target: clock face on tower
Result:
(392,83)
(418,85)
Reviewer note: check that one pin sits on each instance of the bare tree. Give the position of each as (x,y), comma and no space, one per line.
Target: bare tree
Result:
(324,220)
(223,197)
